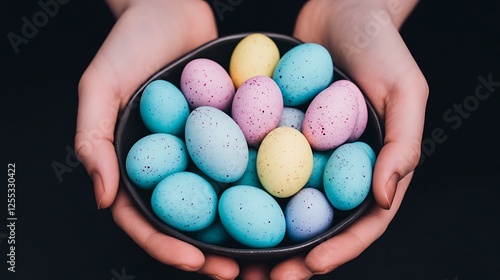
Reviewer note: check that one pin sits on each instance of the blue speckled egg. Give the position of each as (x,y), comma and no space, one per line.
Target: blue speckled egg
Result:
(216,144)
(319,162)
(163,108)
(308,214)
(252,216)
(215,234)
(348,176)
(369,151)
(250,177)
(292,117)
(303,72)
(154,157)
(185,201)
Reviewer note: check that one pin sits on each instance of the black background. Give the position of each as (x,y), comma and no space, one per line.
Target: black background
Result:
(447,227)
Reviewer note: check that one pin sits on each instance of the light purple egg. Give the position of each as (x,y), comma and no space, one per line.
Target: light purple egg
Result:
(292,117)
(362,109)
(308,214)
(331,118)
(204,82)
(257,108)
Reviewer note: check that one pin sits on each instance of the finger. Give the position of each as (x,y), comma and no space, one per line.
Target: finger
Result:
(161,247)
(356,238)
(218,267)
(136,47)
(404,123)
(255,271)
(293,268)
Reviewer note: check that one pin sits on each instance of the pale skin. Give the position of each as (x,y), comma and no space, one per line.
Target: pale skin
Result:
(149,34)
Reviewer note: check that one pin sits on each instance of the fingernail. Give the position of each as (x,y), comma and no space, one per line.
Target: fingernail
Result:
(390,190)
(99,190)
(213,276)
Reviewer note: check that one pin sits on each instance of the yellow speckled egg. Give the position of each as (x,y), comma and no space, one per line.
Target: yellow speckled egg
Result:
(284,161)
(254,55)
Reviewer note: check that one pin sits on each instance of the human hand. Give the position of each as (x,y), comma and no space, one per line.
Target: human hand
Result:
(363,38)
(147,35)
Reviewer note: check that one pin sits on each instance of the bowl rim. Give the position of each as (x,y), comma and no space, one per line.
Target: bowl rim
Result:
(235,252)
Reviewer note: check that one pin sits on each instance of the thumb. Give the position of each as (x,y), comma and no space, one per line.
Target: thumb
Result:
(97,113)
(404,122)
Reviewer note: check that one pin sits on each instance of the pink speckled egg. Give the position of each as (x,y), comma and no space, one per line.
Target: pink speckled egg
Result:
(331,118)
(257,108)
(205,82)
(362,109)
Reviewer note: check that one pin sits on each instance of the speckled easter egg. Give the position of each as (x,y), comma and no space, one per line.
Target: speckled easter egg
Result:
(216,144)
(154,157)
(362,118)
(215,234)
(292,117)
(257,108)
(330,118)
(303,72)
(205,82)
(319,162)
(250,176)
(348,176)
(308,214)
(185,201)
(163,108)
(284,161)
(252,216)
(254,55)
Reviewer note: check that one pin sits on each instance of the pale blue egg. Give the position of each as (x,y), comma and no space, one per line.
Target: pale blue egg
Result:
(215,234)
(154,157)
(185,201)
(369,151)
(308,214)
(292,117)
(348,176)
(319,162)
(250,177)
(163,108)
(303,72)
(216,144)
(252,216)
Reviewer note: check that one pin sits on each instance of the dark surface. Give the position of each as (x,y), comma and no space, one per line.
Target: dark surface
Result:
(447,227)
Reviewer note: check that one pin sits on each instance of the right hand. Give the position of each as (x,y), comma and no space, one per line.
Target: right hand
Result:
(147,35)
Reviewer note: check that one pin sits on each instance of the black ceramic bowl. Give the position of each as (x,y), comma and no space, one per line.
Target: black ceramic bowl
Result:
(130,128)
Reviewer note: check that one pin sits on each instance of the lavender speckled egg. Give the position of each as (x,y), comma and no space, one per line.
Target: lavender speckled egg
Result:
(308,214)
(348,176)
(163,108)
(257,108)
(205,82)
(216,144)
(303,72)
(250,176)
(292,117)
(185,201)
(362,118)
(330,118)
(252,216)
(154,157)
(284,162)
(319,162)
